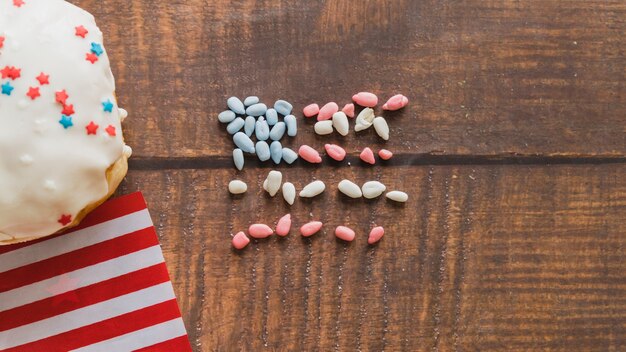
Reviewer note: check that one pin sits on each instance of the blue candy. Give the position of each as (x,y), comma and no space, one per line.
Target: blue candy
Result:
(292,125)
(256,110)
(263,150)
(248,127)
(278,131)
(271,116)
(238,159)
(289,155)
(283,107)
(226,116)
(276,149)
(236,105)
(262,130)
(243,142)
(235,126)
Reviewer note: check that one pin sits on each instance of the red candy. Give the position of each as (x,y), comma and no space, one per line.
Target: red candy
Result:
(309,154)
(260,231)
(348,110)
(311,110)
(327,111)
(310,229)
(336,152)
(345,233)
(284,226)
(385,154)
(367,155)
(240,241)
(367,99)
(396,102)
(376,234)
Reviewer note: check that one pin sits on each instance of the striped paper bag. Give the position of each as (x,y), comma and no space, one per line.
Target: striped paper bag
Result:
(100,287)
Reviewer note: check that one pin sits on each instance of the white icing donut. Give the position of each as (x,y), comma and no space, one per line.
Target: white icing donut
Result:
(60,127)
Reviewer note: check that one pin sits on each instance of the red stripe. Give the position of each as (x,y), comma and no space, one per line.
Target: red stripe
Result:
(105,329)
(179,344)
(110,210)
(83,297)
(78,259)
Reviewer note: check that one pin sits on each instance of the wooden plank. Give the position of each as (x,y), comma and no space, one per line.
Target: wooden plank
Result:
(482,258)
(487,77)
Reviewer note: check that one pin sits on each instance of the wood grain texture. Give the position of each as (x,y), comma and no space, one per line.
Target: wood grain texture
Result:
(482,258)
(486,77)
(496,251)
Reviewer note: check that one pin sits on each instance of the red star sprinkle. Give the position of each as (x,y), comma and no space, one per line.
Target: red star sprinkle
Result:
(91,57)
(65,219)
(33,93)
(81,31)
(43,78)
(1,42)
(92,128)
(110,130)
(61,97)
(68,110)
(11,72)
(18,3)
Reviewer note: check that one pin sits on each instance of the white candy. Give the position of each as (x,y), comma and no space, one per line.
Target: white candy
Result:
(373,189)
(324,127)
(313,189)
(350,189)
(341,124)
(382,128)
(273,182)
(364,120)
(289,192)
(398,196)
(237,187)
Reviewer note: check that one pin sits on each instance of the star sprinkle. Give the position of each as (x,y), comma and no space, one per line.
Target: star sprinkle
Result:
(7,88)
(81,31)
(111,130)
(1,41)
(18,3)
(65,219)
(97,49)
(61,97)
(66,121)
(92,128)
(43,79)
(107,106)
(91,57)
(33,93)
(11,72)
(68,110)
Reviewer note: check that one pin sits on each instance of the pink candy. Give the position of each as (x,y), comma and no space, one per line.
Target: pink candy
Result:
(336,152)
(260,231)
(345,233)
(396,102)
(376,234)
(367,155)
(366,99)
(284,226)
(311,110)
(385,154)
(309,154)
(310,229)
(327,111)
(348,110)
(240,241)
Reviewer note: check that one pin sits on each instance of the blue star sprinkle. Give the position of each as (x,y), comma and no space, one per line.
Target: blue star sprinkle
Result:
(66,121)
(107,106)
(97,49)
(7,88)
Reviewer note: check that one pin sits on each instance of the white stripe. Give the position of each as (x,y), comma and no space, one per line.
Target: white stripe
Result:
(82,277)
(75,240)
(140,338)
(85,316)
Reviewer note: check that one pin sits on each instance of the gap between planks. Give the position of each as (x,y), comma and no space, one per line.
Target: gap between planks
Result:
(219,162)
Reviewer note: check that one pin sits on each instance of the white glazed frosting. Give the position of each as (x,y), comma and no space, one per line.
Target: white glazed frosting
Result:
(49,173)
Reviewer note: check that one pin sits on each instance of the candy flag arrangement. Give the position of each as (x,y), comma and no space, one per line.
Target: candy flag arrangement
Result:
(103,286)
(330,119)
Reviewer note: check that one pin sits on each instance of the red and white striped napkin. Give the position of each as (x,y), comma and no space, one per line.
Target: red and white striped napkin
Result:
(101,287)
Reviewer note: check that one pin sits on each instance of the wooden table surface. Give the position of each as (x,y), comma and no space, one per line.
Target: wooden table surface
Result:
(513,152)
